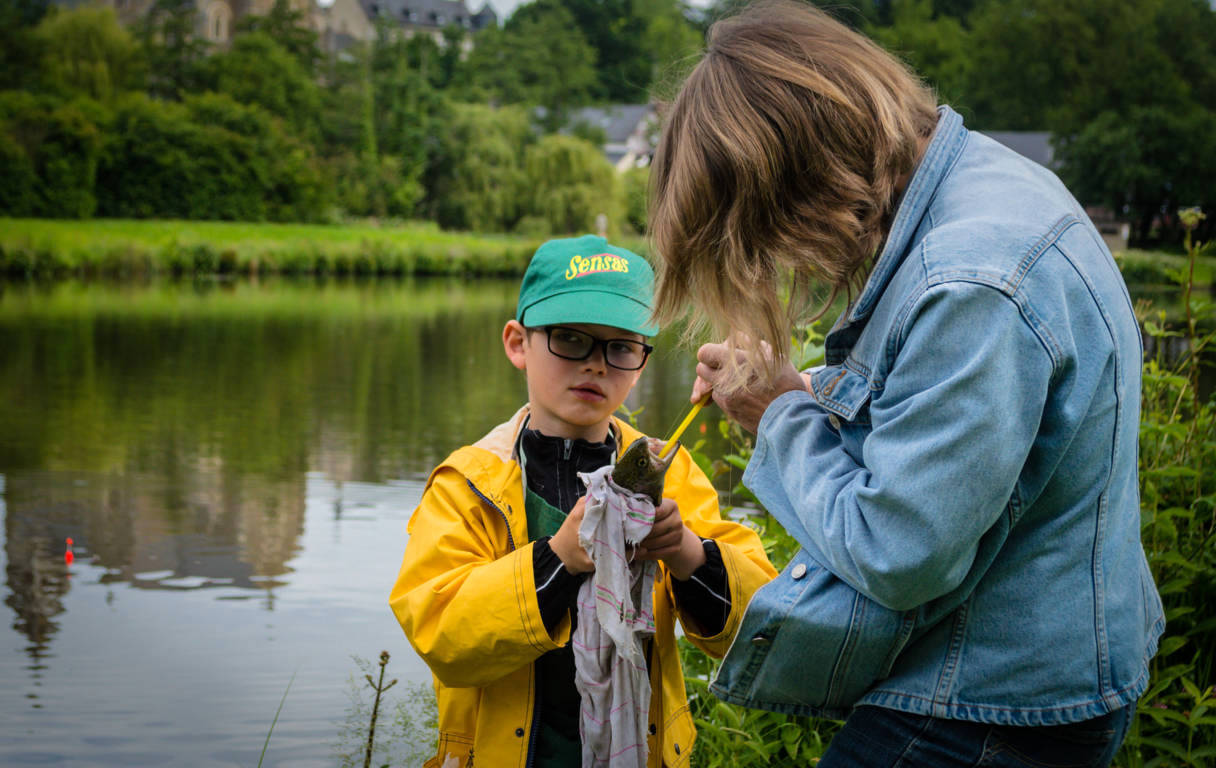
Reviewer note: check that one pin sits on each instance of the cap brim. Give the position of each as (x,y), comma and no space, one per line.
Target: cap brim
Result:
(592,307)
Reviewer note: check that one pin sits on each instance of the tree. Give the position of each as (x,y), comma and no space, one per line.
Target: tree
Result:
(937,48)
(86,52)
(539,58)
(19,53)
(636,184)
(405,99)
(207,157)
(173,50)
(671,41)
(289,29)
(476,179)
(1125,86)
(1144,164)
(53,149)
(17,191)
(257,70)
(569,183)
(616,31)
(1042,64)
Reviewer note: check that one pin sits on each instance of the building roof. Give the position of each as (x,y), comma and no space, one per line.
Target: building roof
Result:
(430,13)
(1033,145)
(618,121)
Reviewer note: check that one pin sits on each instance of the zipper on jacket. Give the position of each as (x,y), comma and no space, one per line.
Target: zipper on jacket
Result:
(535,721)
(535,694)
(496,508)
(567,445)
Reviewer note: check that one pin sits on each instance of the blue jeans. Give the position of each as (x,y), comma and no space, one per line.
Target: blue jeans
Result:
(874,737)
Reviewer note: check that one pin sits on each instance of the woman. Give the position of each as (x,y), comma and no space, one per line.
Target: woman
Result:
(965,462)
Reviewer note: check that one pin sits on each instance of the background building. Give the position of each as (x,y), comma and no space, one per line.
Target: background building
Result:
(338,23)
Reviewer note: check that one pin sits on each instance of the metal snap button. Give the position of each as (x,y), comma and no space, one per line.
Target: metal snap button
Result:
(834,420)
(519,732)
(799,571)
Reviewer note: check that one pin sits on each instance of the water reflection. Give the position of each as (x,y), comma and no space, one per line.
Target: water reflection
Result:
(37,579)
(235,464)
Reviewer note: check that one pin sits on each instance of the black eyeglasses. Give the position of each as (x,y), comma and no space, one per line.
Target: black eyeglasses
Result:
(572,344)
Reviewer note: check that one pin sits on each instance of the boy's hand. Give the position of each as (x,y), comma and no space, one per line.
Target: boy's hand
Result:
(565,544)
(672,542)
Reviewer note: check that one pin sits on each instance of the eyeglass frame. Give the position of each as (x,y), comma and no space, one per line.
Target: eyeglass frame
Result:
(596,341)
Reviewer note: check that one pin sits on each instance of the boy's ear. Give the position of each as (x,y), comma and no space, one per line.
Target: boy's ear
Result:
(515,344)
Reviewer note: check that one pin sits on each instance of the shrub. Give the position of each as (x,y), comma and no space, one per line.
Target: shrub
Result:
(17,191)
(476,179)
(570,183)
(50,150)
(206,158)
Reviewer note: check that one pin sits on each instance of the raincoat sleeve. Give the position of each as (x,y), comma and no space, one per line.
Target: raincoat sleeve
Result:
(747,566)
(465,598)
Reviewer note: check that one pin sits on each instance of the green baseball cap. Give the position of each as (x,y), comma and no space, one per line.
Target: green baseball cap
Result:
(586,280)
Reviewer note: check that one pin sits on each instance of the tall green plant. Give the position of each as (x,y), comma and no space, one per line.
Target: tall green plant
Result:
(1176,719)
(729,735)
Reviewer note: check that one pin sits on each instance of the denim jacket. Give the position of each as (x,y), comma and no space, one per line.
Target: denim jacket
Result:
(962,475)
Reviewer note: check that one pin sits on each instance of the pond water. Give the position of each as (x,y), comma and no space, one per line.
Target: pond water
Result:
(235,464)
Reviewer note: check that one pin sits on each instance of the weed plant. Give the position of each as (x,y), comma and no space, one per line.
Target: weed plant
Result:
(1176,717)
(406,739)
(728,735)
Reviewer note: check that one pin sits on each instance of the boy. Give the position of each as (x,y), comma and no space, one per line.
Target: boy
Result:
(493,565)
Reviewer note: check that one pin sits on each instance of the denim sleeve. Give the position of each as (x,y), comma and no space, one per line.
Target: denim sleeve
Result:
(951,426)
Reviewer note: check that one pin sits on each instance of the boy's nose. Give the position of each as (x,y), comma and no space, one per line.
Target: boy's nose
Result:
(598,359)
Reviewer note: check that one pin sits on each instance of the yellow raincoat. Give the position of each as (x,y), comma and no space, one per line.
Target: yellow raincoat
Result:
(466,598)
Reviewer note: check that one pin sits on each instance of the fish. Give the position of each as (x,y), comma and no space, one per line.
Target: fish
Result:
(639,468)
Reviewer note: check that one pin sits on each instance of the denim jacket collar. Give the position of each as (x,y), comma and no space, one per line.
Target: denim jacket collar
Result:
(949,139)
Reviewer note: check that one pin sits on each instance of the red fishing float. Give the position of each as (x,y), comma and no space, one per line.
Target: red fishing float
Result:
(68,557)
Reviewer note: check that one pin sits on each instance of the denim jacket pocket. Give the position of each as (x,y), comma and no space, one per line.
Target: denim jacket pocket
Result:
(845,390)
(810,644)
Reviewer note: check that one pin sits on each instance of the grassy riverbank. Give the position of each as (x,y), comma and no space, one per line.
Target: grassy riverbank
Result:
(1162,268)
(129,248)
(123,247)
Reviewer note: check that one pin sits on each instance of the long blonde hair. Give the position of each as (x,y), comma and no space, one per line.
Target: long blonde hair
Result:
(776,174)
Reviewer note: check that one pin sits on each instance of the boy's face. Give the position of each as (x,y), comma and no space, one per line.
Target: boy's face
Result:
(570,398)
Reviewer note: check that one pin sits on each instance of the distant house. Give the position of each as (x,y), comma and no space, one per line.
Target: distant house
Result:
(630,131)
(430,16)
(338,23)
(341,24)
(1033,145)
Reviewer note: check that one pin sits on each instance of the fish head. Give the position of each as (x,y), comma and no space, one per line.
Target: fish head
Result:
(640,469)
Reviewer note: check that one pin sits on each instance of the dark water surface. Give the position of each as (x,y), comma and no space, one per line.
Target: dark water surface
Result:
(235,465)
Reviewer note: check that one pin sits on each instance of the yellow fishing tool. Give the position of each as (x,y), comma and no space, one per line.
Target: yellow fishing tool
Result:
(692,414)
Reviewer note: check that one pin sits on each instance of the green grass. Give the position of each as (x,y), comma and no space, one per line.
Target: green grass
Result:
(122,247)
(1156,267)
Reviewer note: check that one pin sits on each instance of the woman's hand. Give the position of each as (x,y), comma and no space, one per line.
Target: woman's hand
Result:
(747,405)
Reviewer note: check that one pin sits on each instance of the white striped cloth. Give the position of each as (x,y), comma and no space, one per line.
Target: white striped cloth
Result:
(615,614)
